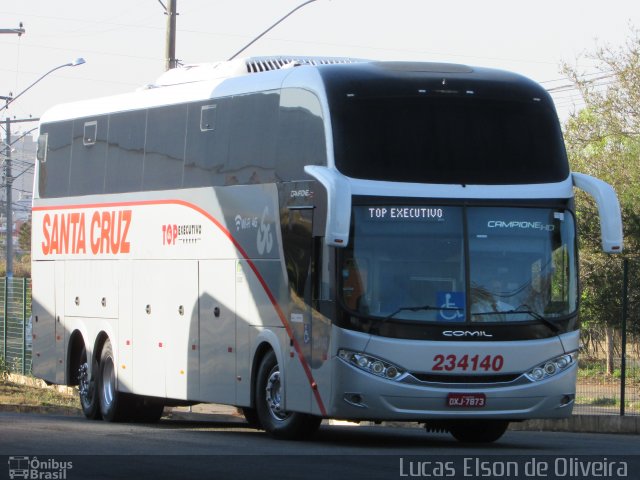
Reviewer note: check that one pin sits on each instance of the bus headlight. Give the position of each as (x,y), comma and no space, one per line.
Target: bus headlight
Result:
(371,364)
(552,367)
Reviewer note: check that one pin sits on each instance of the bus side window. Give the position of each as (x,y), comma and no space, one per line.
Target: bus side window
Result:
(252,138)
(207,143)
(164,147)
(125,151)
(54,173)
(41,153)
(89,156)
(301,137)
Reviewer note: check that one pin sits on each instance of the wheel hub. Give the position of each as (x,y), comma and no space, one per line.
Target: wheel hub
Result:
(274,395)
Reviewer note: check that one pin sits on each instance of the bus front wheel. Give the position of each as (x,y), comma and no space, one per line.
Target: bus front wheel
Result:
(272,417)
(478,431)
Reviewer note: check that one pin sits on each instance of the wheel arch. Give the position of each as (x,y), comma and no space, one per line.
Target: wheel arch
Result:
(74,351)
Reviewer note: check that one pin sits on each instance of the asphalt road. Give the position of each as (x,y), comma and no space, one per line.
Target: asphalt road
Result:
(76,448)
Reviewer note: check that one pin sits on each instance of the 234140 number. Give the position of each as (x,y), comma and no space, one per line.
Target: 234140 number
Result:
(468,363)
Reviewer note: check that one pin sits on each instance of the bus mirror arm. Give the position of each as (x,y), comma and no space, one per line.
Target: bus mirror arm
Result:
(338,203)
(608,210)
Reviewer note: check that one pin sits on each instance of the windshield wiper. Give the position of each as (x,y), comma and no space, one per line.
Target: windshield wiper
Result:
(552,326)
(417,309)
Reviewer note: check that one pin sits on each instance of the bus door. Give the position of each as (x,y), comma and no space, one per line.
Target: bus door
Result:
(297,241)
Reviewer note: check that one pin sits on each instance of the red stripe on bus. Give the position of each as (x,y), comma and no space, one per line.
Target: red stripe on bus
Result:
(243,253)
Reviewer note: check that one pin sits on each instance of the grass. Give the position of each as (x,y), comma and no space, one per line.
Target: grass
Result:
(16,394)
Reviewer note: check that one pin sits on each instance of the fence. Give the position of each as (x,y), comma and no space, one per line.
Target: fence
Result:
(605,386)
(15,334)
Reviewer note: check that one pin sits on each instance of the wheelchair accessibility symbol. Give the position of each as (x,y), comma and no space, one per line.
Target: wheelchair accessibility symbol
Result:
(451,306)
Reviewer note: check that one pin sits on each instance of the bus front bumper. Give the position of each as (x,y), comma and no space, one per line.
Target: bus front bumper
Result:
(359,395)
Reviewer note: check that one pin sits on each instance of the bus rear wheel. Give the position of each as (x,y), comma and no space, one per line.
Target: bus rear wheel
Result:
(114,406)
(478,431)
(87,387)
(276,421)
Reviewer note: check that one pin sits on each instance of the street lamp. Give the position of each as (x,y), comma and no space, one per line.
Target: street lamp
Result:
(269,29)
(10,100)
(7,165)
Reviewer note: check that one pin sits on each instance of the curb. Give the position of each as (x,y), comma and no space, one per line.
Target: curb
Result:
(50,410)
(584,424)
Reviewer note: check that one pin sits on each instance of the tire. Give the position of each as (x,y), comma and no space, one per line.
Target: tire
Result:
(88,388)
(143,409)
(479,431)
(278,423)
(114,406)
(251,416)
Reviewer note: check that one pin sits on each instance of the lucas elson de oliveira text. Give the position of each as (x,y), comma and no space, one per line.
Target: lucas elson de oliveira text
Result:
(473,467)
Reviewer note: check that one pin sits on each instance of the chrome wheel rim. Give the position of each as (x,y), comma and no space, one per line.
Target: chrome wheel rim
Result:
(84,385)
(274,395)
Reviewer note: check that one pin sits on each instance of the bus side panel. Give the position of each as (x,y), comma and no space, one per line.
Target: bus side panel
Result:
(43,315)
(125,326)
(61,337)
(91,289)
(148,329)
(165,332)
(218,331)
(182,335)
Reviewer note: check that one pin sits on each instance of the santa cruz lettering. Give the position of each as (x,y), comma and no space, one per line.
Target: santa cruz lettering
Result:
(76,233)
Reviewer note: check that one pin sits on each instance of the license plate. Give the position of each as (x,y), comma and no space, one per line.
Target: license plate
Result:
(466,400)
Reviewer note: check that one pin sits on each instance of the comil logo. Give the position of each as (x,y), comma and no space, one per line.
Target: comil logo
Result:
(466,333)
(37,469)
(265,236)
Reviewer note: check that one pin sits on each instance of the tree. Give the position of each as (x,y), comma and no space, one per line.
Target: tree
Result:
(603,140)
(24,237)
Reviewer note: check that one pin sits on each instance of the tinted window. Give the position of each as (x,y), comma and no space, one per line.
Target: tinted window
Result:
(448,139)
(301,139)
(126,151)
(252,143)
(54,173)
(164,148)
(89,156)
(206,150)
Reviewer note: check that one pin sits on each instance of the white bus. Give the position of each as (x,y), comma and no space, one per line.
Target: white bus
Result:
(311,238)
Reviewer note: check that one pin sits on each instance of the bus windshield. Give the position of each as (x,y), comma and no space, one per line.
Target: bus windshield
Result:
(460,264)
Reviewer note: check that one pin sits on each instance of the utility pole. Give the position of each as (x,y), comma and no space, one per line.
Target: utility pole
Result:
(9,199)
(170,11)
(7,172)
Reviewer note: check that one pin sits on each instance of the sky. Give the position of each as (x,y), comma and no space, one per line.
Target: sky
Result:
(123,41)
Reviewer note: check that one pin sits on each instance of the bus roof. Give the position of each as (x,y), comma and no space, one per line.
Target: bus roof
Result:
(210,80)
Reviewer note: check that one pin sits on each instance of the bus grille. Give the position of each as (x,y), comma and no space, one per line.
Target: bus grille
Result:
(431,378)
